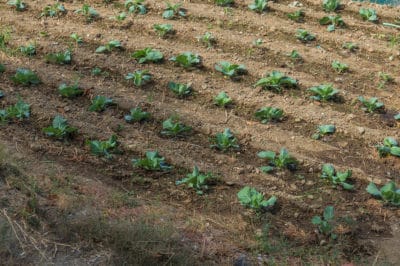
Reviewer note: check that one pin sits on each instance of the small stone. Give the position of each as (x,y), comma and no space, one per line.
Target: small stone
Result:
(297,120)
(310,196)
(35,147)
(361,130)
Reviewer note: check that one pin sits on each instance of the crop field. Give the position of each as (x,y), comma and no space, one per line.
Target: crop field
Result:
(199,133)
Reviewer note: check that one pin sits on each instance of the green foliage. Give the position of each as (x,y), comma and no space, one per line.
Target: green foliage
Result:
(397,117)
(197,180)
(60,58)
(180,89)
(99,103)
(148,55)
(384,79)
(368,14)
(187,60)
(136,115)
(390,146)
(325,223)
(173,11)
(276,81)
(104,148)
(135,6)
(294,55)
(259,5)
(139,77)
(225,141)
(70,91)
(388,193)
(207,39)
(337,178)
(350,46)
(267,114)
(77,39)
(330,5)
(324,130)
(339,67)
(163,29)
(253,199)
(2,68)
(224,2)
(222,99)
(297,16)
(324,92)
(88,12)
(152,162)
(371,105)
(257,42)
(19,111)
(172,128)
(333,21)
(120,17)
(111,45)
(25,77)
(59,128)
(230,70)
(5,36)
(28,50)
(281,161)
(18,4)
(304,35)
(53,10)
(1,94)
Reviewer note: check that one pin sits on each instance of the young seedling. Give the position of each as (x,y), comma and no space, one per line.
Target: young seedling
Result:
(88,12)
(371,105)
(61,58)
(104,148)
(19,111)
(276,81)
(111,45)
(120,17)
(225,141)
(187,60)
(390,146)
(267,114)
(222,99)
(179,89)
(25,77)
(198,181)
(76,38)
(281,161)
(70,91)
(18,4)
(172,128)
(148,55)
(304,36)
(297,16)
(224,2)
(324,130)
(352,47)
(388,193)
(384,78)
(339,67)
(136,115)
(295,56)
(333,21)
(163,30)
(330,5)
(325,223)
(253,199)
(207,39)
(323,92)
(1,94)
(173,11)
(259,6)
(397,117)
(2,68)
(337,178)
(5,36)
(28,50)
(139,77)
(257,42)
(53,10)
(135,6)
(152,162)
(368,14)
(230,70)
(59,129)
(100,103)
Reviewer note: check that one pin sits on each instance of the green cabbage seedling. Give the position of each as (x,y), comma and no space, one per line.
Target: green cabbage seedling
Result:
(388,193)
(197,180)
(325,223)
(253,199)
(152,162)
(337,178)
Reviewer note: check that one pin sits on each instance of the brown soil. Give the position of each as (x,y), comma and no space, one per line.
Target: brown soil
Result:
(214,226)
